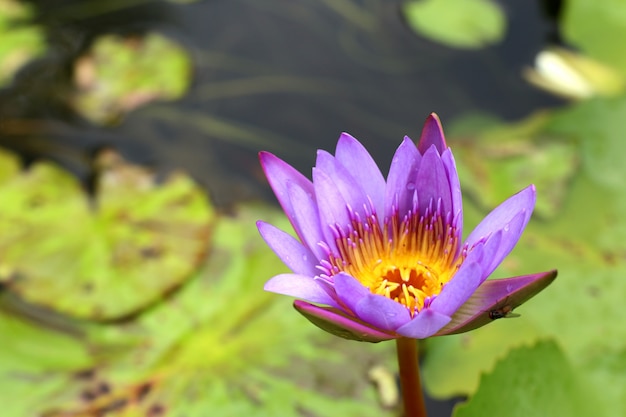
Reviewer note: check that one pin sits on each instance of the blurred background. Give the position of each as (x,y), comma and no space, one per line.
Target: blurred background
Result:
(131,271)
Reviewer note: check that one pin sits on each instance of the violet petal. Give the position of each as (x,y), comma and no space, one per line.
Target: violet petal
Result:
(357,160)
(306,220)
(431,182)
(279,175)
(432,134)
(349,290)
(455,189)
(460,288)
(404,165)
(496,295)
(297,257)
(522,202)
(330,203)
(340,324)
(349,188)
(425,324)
(382,312)
(300,286)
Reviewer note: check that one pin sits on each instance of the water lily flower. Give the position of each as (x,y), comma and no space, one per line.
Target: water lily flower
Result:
(380,259)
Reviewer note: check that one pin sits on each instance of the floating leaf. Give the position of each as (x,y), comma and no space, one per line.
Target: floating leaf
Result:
(222,346)
(537,381)
(103,259)
(503,159)
(457,23)
(19,43)
(598,28)
(34,363)
(121,74)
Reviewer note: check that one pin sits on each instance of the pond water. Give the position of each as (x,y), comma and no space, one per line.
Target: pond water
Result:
(287,77)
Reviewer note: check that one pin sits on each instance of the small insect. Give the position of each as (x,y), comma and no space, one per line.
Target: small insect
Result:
(502,312)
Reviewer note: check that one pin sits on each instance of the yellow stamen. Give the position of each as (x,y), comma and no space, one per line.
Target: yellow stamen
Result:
(406,261)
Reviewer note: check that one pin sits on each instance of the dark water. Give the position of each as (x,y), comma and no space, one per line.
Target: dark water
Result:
(285,76)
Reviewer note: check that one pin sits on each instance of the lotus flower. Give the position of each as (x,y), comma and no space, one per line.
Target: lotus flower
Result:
(378,260)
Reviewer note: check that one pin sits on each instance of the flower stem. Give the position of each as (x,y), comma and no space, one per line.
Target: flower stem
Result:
(412,395)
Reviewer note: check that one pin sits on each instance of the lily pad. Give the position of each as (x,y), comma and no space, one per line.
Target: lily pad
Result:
(104,258)
(539,382)
(120,74)
(502,159)
(598,28)
(19,42)
(223,346)
(34,362)
(457,23)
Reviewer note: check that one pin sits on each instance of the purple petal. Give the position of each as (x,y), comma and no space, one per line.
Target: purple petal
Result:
(425,324)
(349,188)
(340,324)
(462,285)
(455,189)
(382,312)
(431,182)
(501,295)
(279,175)
(432,134)
(297,258)
(355,158)
(404,165)
(349,290)
(522,202)
(306,220)
(300,286)
(331,205)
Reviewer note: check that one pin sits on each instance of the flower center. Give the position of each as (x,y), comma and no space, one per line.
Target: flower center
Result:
(408,261)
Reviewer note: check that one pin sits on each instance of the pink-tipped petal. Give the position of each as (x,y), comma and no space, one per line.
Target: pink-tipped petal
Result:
(522,202)
(300,286)
(495,298)
(432,134)
(425,324)
(297,257)
(432,183)
(340,324)
(382,312)
(355,158)
(404,165)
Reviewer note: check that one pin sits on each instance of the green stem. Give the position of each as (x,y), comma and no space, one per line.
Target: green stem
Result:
(412,395)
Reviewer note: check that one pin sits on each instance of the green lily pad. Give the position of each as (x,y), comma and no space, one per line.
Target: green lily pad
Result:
(598,28)
(223,346)
(533,381)
(121,74)
(502,159)
(457,23)
(34,362)
(106,258)
(19,42)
